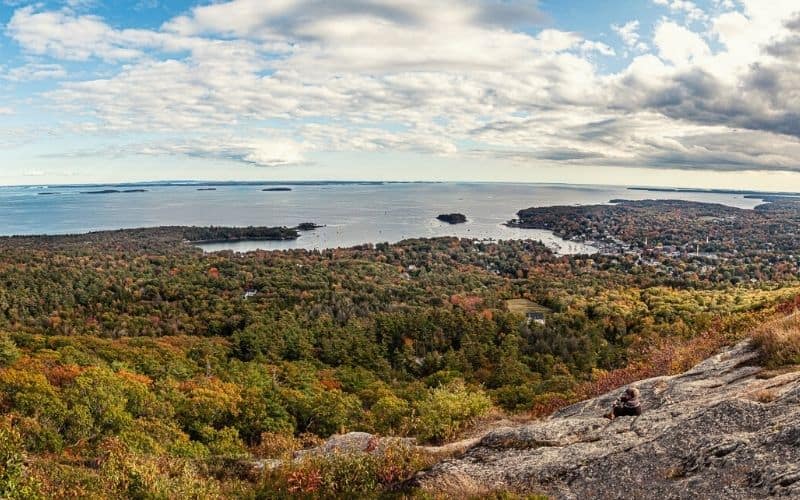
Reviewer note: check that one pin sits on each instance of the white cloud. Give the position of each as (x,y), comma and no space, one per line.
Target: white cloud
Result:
(725,4)
(629,34)
(263,152)
(680,45)
(6,111)
(270,83)
(81,4)
(60,34)
(34,71)
(600,47)
(689,9)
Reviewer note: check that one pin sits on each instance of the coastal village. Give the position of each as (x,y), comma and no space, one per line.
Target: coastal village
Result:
(736,244)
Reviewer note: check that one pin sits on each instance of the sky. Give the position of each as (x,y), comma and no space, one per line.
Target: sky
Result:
(629,92)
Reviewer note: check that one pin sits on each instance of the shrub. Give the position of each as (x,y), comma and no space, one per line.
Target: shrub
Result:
(276,445)
(185,448)
(323,412)
(136,476)
(223,443)
(765,396)
(39,436)
(448,410)
(14,482)
(390,414)
(207,401)
(345,474)
(515,398)
(779,342)
(59,480)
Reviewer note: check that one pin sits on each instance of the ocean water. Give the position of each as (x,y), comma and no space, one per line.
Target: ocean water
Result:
(352,213)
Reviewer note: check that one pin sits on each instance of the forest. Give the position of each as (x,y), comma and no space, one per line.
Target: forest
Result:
(132,364)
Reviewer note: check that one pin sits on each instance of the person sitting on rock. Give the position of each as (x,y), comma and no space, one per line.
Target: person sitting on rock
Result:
(627,405)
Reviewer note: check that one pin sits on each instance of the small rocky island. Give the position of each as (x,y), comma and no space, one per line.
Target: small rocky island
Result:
(452,218)
(308,226)
(272,189)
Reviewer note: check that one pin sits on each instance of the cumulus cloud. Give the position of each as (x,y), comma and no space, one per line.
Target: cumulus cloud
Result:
(60,34)
(752,84)
(680,45)
(476,78)
(264,20)
(599,47)
(629,34)
(689,9)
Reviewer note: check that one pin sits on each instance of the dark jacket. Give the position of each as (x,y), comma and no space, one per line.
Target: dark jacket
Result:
(628,404)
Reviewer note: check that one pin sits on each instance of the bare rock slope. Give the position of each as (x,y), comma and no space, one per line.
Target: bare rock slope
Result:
(720,430)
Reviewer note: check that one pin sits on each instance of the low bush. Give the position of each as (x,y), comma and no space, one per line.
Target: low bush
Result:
(276,445)
(779,342)
(130,475)
(344,474)
(448,410)
(14,480)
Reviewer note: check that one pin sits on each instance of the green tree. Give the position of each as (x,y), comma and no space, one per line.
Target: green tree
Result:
(261,411)
(9,353)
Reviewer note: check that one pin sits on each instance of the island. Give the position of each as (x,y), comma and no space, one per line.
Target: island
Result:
(277,189)
(47,193)
(307,226)
(206,189)
(114,191)
(454,218)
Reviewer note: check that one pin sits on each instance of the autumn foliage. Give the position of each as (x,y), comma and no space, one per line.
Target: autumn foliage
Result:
(132,365)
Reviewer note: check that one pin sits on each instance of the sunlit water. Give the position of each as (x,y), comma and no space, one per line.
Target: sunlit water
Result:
(353,214)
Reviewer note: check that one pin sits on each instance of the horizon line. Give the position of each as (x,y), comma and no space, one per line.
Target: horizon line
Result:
(200,182)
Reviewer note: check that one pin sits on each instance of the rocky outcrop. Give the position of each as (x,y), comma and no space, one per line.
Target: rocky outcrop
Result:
(724,429)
